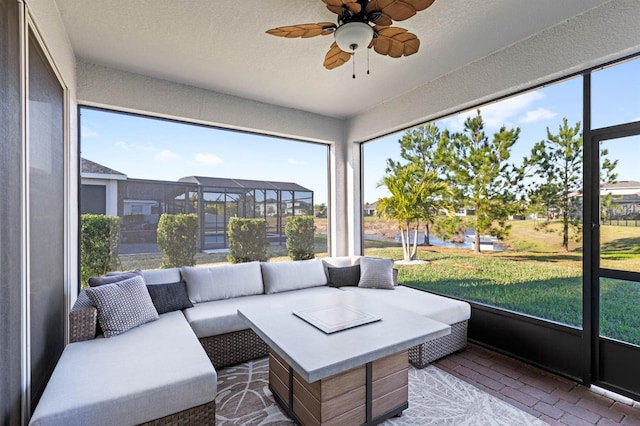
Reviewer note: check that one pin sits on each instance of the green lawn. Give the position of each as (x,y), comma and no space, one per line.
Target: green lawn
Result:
(534,277)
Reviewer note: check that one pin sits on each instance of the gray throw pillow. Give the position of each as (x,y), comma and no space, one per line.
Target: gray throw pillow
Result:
(123,305)
(376,273)
(343,277)
(169,297)
(113,278)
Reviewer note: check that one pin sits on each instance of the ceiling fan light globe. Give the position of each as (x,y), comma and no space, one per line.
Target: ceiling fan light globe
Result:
(353,36)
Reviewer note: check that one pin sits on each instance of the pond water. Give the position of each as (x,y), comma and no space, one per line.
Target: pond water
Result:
(436,241)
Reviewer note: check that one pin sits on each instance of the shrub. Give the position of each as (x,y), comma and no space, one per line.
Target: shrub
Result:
(247,240)
(99,235)
(300,231)
(177,239)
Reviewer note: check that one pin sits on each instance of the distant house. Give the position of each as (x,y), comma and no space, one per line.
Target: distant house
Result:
(140,203)
(369,209)
(99,188)
(625,200)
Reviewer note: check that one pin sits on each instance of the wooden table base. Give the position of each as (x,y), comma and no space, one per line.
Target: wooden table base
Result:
(365,395)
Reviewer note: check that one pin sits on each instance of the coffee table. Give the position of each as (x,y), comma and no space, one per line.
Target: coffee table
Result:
(354,376)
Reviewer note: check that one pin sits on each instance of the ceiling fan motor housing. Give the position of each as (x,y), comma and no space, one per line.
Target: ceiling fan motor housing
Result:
(353,36)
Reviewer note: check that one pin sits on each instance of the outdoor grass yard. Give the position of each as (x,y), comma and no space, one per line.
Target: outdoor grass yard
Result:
(540,281)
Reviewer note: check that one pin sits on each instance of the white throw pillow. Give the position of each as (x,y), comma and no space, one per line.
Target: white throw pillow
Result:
(223,282)
(292,275)
(376,273)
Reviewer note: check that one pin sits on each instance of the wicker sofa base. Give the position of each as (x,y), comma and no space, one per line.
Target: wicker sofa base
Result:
(422,355)
(204,414)
(233,348)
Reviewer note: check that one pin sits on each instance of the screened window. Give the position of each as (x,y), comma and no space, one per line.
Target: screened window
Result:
(160,167)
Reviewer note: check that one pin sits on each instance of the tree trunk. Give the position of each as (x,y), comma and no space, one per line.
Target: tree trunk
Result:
(426,235)
(415,244)
(565,231)
(476,240)
(405,242)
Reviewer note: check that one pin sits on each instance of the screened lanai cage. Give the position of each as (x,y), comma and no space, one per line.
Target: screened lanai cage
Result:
(140,203)
(218,199)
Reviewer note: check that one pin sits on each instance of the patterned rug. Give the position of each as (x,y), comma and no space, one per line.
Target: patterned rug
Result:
(435,398)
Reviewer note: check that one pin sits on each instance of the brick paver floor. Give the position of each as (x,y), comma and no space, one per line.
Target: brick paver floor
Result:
(553,399)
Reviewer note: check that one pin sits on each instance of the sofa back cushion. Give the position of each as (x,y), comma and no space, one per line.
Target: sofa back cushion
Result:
(292,275)
(222,282)
(161,276)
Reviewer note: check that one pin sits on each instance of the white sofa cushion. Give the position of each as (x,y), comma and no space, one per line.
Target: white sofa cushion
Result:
(161,276)
(439,308)
(223,282)
(294,275)
(152,371)
(221,316)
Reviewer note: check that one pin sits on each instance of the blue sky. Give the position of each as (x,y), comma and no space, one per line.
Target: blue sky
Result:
(158,149)
(144,148)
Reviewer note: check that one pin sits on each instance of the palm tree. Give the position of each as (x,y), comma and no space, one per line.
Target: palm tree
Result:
(414,193)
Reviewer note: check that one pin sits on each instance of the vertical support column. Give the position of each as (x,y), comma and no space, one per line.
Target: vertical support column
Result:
(345,206)
(338,226)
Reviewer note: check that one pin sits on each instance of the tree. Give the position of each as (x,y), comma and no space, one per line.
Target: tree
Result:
(558,161)
(177,238)
(410,188)
(483,179)
(300,232)
(418,146)
(320,210)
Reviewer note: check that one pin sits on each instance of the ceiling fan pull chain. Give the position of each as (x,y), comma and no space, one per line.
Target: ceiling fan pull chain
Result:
(368,62)
(354,63)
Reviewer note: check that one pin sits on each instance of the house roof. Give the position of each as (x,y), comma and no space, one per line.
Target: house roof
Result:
(242,184)
(622,184)
(91,167)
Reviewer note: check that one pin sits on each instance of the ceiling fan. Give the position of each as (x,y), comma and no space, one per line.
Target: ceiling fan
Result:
(362,24)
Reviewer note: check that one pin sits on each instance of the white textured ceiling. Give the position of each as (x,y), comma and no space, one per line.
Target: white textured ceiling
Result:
(221,45)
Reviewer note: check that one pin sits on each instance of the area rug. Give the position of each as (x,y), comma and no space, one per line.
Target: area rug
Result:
(435,398)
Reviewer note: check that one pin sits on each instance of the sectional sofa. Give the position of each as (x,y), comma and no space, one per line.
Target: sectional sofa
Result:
(145,345)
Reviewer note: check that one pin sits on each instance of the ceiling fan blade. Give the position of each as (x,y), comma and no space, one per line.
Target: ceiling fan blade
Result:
(336,57)
(396,10)
(395,42)
(304,30)
(336,6)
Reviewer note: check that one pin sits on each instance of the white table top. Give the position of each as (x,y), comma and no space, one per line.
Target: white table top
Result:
(316,355)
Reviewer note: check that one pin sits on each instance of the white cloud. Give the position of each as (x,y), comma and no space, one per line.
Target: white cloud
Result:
(166,155)
(208,159)
(86,132)
(497,114)
(133,147)
(297,162)
(124,145)
(539,114)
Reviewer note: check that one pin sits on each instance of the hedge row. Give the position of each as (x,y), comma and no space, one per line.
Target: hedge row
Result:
(99,235)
